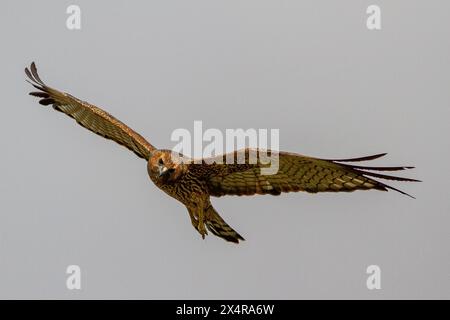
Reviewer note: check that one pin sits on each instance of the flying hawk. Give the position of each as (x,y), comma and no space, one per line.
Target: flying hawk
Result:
(194,183)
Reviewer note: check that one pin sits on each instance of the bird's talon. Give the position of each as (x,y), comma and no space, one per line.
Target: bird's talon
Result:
(202,230)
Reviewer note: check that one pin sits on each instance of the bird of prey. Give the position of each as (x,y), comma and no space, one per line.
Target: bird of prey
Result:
(193,183)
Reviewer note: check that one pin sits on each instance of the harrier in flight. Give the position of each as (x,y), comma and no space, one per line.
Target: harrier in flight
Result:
(193,183)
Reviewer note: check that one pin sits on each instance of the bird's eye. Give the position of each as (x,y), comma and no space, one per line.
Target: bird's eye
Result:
(161,162)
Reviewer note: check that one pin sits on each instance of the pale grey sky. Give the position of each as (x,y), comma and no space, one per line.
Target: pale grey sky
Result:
(308,68)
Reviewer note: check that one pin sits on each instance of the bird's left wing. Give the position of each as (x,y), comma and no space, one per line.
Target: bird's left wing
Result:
(89,116)
(295,173)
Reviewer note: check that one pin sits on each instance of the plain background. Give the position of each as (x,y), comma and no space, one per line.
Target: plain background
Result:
(310,68)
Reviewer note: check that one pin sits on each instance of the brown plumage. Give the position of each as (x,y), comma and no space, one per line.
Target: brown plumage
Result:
(193,183)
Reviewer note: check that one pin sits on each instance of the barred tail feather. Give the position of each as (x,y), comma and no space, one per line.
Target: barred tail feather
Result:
(220,228)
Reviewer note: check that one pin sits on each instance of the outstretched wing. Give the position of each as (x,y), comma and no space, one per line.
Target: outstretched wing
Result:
(89,116)
(295,173)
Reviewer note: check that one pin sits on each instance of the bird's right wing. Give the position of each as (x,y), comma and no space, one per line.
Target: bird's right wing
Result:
(89,116)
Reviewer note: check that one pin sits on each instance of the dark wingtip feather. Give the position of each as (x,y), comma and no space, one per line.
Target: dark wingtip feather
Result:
(36,86)
(384,187)
(28,73)
(34,72)
(385,176)
(372,157)
(376,168)
(40,94)
(398,190)
(46,101)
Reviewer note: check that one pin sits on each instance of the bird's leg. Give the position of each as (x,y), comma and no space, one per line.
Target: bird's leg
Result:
(194,220)
(200,216)
(197,220)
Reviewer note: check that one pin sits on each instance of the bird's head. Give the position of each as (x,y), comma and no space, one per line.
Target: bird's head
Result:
(165,166)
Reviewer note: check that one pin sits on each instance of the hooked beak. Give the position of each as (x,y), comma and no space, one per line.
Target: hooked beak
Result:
(162,171)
